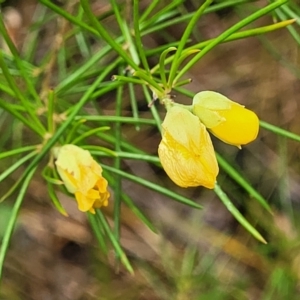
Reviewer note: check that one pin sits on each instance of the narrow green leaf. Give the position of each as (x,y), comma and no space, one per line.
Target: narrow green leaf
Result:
(162,59)
(89,133)
(127,79)
(19,62)
(168,23)
(55,199)
(132,206)
(70,80)
(29,108)
(113,119)
(137,34)
(153,187)
(125,32)
(4,88)
(99,232)
(13,110)
(279,131)
(17,151)
(228,33)
(153,109)
(239,217)
(236,176)
(69,17)
(117,165)
(188,30)
(16,165)
(115,243)
(148,10)
(100,151)
(134,105)
(162,15)
(13,218)
(50,111)
(105,34)
(104,152)
(235,36)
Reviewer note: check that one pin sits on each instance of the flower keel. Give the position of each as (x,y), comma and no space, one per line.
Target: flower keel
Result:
(229,121)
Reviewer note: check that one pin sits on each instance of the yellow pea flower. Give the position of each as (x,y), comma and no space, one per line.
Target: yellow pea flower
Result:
(229,121)
(82,176)
(186,151)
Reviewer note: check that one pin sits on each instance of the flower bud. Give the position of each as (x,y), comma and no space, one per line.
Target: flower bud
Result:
(82,176)
(229,121)
(186,151)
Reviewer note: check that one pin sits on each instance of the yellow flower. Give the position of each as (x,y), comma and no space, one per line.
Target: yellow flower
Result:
(186,151)
(82,177)
(229,121)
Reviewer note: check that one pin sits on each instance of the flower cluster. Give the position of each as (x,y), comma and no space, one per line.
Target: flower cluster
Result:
(82,176)
(186,151)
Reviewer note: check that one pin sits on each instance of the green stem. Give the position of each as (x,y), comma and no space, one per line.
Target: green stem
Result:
(150,81)
(128,37)
(127,79)
(50,111)
(117,165)
(153,109)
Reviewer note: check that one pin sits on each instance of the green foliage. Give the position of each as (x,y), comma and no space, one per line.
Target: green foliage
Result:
(53,99)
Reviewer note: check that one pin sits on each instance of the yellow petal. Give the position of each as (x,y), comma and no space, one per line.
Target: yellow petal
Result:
(186,151)
(206,106)
(82,176)
(227,120)
(84,203)
(71,163)
(241,126)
